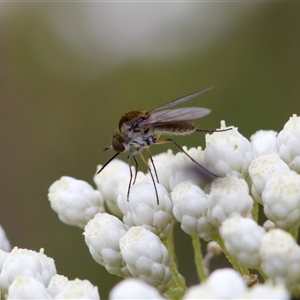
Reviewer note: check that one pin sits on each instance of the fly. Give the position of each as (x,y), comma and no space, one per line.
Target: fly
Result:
(138,130)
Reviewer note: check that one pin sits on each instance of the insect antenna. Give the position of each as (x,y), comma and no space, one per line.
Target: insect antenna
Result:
(116,154)
(178,146)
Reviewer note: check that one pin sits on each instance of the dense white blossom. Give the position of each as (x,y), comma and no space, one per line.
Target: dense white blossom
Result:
(242,239)
(221,284)
(26,262)
(264,142)
(190,209)
(163,163)
(146,257)
(102,235)
(281,198)
(184,169)
(75,201)
(288,143)
(134,289)
(142,208)
(4,242)
(228,152)
(261,169)
(108,182)
(280,257)
(27,287)
(229,197)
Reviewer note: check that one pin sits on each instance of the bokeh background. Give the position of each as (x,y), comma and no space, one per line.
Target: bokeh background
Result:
(68,71)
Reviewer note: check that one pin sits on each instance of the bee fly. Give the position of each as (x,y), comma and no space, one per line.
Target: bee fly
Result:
(141,129)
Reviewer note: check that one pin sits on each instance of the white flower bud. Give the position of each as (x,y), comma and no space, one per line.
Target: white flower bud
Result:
(219,286)
(102,235)
(56,285)
(142,208)
(163,164)
(4,242)
(242,238)
(281,199)
(280,257)
(229,197)
(78,289)
(26,287)
(75,201)
(288,143)
(26,262)
(184,169)
(264,142)
(146,257)
(261,169)
(228,152)
(190,209)
(132,288)
(109,181)
(267,291)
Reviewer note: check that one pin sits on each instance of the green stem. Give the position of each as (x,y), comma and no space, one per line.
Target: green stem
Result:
(255,211)
(202,274)
(241,269)
(294,232)
(178,287)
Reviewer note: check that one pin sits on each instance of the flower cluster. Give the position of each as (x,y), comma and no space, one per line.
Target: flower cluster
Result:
(130,233)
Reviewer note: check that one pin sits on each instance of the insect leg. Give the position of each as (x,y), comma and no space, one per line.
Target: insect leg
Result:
(136,168)
(130,180)
(172,141)
(212,130)
(151,174)
(152,162)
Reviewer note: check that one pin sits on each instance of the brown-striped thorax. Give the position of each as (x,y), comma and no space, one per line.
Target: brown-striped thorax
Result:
(138,130)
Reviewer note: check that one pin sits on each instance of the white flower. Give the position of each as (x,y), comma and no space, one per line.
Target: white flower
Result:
(163,164)
(229,197)
(280,257)
(78,289)
(26,262)
(134,289)
(146,257)
(267,291)
(190,209)
(26,287)
(281,199)
(142,208)
(264,142)
(221,284)
(288,143)
(56,285)
(102,235)
(261,169)
(75,201)
(4,242)
(242,238)
(109,180)
(228,152)
(184,169)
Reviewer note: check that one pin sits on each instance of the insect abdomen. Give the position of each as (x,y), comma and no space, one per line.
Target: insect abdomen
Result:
(175,128)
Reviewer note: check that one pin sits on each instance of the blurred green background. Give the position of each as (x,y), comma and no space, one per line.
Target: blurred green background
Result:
(68,71)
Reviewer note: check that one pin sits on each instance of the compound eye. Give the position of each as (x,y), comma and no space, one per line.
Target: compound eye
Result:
(117,145)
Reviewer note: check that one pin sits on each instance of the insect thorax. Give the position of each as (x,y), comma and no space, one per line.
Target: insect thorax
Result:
(132,119)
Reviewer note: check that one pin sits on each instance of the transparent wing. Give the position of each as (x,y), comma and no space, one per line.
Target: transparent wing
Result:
(175,115)
(181,99)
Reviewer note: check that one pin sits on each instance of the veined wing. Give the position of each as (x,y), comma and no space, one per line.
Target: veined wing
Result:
(181,99)
(175,115)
